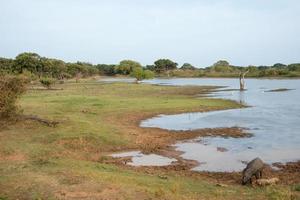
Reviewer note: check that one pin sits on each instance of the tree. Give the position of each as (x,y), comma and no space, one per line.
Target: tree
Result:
(125,67)
(222,63)
(150,67)
(294,67)
(187,66)
(140,74)
(105,69)
(27,61)
(222,66)
(6,65)
(54,68)
(279,66)
(164,65)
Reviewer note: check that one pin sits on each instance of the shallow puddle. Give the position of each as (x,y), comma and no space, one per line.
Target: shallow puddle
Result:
(140,159)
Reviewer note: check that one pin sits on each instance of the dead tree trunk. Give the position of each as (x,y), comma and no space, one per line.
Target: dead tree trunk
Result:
(242,80)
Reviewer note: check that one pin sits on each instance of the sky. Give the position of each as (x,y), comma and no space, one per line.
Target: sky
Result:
(200,32)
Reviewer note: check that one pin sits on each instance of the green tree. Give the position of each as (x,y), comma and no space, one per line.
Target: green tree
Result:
(57,68)
(127,66)
(105,69)
(222,66)
(27,61)
(222,63)
(6,65)
(187,66)
(150,67)
(164,65)
(294,67)
(279,66)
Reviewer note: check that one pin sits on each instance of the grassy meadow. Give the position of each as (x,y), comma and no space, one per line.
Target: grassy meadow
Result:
(96,119)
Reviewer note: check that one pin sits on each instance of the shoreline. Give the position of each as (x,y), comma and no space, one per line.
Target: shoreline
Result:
(167,138)
(204,77)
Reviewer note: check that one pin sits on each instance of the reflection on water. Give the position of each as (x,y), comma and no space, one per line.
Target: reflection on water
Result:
(242,98)
(274,119)
(140,159)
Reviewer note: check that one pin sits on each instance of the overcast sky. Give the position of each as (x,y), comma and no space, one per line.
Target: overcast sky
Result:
(244,32)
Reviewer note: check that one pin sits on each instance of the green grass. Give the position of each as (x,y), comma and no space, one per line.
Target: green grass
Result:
(40,162)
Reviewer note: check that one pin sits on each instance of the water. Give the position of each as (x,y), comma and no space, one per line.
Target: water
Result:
(114,80)
(274,119)
(140,159)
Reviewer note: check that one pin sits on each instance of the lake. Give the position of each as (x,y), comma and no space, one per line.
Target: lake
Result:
(273,119)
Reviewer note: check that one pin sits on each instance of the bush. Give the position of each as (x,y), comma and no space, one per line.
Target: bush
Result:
(141,74)
(148,74)
(11,88)
(47,82)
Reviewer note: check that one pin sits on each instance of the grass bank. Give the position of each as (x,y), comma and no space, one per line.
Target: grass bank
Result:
(68,161)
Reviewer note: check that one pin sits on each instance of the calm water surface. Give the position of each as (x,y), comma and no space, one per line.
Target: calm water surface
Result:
(274,119)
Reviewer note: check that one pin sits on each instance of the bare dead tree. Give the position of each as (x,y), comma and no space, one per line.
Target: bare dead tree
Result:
(242,80)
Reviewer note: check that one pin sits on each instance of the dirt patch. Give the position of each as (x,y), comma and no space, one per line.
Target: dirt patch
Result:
(16,156)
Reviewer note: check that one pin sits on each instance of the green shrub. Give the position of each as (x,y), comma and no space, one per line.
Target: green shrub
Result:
(47,82)
(141,74)
(148,74)
(11,88)
(296,188)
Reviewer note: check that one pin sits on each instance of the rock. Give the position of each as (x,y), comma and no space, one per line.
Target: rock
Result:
(264,182)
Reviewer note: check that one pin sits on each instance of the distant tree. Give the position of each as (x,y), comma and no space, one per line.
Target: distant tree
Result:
(105,69)
(279,66)
(187,66)
(57,68)
(6,65)
(127,66)
(73,69)
(27,61)
(150,67)
(87,69)
(164,65)
(141,74)
(222,63)
(294,67)
(222,66)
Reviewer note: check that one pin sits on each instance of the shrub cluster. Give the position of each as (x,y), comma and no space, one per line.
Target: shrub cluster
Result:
(11,88)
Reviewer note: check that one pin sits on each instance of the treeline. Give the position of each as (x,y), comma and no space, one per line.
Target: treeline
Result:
(35,66)
(223,68)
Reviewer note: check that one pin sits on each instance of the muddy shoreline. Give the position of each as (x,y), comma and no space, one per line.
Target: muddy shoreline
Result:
(162,141)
